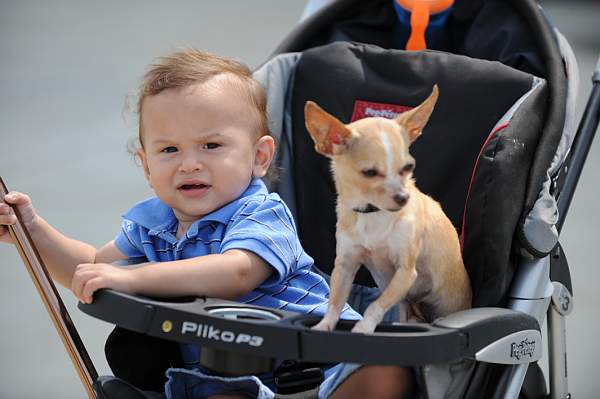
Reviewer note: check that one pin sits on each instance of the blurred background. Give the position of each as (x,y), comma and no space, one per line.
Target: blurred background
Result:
(66,68)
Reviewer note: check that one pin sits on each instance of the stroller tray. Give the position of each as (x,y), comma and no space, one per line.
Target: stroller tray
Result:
(259,331)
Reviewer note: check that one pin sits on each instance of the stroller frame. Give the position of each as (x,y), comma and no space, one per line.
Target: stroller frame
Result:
(566,182)
(542,286)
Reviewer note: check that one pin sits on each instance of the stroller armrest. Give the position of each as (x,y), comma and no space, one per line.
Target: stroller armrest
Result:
(237,328)
(497,335)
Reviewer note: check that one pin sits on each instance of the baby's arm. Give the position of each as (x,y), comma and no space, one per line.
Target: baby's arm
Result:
(229,275)
(60,253)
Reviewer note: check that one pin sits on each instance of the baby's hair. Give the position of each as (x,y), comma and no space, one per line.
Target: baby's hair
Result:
(191,66)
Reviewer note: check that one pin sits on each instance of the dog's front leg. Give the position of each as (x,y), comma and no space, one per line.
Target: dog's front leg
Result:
(345,268)
(396,290)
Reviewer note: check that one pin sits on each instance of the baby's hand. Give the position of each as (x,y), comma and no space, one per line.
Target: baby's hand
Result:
(7,216)
(89,277)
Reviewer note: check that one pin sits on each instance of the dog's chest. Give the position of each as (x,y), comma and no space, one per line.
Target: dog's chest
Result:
(382,235)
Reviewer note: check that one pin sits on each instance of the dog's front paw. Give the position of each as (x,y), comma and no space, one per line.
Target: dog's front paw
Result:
(364,326)
(325,325)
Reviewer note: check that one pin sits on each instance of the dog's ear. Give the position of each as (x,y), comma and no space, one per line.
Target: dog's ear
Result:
(330,135)
(415,120)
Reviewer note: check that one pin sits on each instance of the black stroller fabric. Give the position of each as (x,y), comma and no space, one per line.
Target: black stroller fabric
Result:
(484,29)
(474,96)
(515,36)
(141,359)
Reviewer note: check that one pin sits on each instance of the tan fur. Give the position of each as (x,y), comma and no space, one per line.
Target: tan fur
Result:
(411,248)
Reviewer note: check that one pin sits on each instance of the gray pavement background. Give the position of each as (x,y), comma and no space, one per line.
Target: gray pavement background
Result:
(66,68)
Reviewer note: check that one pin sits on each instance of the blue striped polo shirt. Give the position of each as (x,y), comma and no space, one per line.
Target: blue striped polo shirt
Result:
(257,221)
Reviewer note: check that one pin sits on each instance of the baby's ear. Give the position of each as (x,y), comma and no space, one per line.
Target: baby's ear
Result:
(264,149)
(415,120)
(330,135)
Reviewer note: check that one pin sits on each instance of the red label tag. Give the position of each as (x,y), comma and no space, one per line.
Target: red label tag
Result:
(366,109)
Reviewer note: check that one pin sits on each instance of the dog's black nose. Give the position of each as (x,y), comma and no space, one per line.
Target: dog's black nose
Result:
(401,198)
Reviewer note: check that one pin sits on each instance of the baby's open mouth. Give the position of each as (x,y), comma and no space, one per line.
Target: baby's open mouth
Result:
(192,186)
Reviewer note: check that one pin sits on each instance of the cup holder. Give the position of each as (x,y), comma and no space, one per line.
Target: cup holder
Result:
(384,328)
(342,325)
(403,328)
(243,313)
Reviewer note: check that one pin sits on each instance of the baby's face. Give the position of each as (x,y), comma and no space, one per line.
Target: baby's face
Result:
(200,147)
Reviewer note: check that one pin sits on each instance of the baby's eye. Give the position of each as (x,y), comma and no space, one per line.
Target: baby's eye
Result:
(211,146)
(169,149)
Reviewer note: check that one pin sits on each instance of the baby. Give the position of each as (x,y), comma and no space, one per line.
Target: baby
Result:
(212,229)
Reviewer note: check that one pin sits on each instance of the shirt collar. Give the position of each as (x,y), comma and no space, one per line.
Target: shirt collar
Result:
(158,217)
(226,212)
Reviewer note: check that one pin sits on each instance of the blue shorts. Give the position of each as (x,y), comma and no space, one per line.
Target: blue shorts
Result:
(194,384)
(200,383)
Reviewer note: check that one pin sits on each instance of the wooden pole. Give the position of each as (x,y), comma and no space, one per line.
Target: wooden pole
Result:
(52,301)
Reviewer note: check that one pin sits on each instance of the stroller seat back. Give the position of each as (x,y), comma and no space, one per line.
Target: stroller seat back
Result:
(473,157)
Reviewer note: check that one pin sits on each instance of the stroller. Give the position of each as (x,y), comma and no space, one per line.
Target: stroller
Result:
(500,154)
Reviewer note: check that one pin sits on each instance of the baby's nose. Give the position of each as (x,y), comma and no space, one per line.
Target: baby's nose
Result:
(191,163)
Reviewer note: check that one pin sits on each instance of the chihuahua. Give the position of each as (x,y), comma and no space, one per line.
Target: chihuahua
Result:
(400,234)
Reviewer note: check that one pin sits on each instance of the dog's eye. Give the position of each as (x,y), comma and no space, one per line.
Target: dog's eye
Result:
(409,167)
(369,172)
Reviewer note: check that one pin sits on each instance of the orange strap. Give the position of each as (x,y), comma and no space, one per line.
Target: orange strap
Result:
(419,20)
